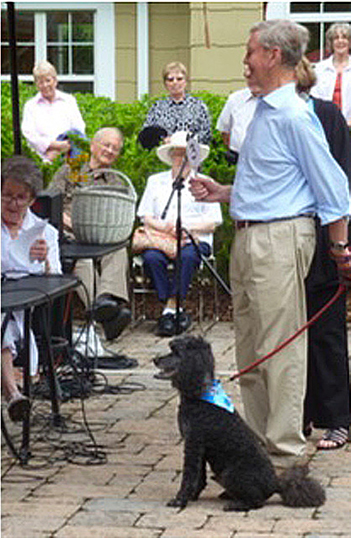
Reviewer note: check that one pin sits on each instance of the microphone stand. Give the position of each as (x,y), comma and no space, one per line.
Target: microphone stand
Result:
(206,262)
(178,185)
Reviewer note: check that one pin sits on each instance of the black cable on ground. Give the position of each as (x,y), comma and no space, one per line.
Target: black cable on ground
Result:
(76,378)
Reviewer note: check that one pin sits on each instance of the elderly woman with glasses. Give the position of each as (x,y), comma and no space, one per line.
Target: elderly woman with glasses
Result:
(180,111)
(28,245)
(50,115)
(334,73)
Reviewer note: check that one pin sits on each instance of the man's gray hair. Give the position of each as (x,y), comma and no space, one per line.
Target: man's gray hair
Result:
(291,38)
(107,130)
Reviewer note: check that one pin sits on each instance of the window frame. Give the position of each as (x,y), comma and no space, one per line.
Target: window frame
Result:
(103,78)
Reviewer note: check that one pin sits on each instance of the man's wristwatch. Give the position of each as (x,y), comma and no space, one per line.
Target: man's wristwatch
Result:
(341,246)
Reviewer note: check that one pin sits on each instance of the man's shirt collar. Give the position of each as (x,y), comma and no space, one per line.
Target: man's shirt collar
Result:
(282,95)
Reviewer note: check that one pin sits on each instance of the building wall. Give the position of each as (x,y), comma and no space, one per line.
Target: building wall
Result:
(126,51)
(176,32)
(169,37)
(219,68)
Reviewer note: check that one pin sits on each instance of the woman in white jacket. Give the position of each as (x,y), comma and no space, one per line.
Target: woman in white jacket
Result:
(334,73)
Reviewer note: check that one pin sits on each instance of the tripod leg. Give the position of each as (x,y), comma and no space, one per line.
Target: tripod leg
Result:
(208,265)
(178,263)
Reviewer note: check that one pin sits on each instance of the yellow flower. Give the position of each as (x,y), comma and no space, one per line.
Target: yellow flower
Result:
(76,164)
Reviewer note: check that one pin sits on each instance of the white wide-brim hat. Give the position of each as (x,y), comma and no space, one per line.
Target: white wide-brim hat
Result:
(179,140)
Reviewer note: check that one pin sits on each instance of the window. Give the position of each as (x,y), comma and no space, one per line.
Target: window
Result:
(74,40)
(316,16)
(70,42)
(25,43)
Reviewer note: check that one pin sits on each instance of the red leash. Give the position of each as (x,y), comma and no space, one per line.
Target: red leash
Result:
(341,289)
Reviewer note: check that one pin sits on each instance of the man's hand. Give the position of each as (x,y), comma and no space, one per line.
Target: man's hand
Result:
(205,189)
(343,262)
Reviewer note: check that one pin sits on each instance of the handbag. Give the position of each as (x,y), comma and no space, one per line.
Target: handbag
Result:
(145,238)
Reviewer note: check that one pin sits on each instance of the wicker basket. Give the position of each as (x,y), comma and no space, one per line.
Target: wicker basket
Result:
(104,214)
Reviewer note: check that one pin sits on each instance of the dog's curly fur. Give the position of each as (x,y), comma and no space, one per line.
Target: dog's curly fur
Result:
(222,439)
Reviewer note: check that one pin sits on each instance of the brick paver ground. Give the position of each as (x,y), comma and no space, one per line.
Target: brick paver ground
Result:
(63,495)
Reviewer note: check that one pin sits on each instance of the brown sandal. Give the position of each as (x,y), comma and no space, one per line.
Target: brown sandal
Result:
(333,439)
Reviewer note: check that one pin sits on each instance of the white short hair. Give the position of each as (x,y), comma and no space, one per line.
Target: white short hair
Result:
(43,69)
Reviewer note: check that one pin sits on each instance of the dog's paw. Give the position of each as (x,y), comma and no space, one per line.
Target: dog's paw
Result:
(235,506)
(177,503)
(225,496)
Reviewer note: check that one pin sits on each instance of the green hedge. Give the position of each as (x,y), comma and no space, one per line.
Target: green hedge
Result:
(134,161)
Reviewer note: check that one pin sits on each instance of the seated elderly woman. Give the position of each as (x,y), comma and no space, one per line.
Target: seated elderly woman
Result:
(28,245)
(50,115)
(200,219)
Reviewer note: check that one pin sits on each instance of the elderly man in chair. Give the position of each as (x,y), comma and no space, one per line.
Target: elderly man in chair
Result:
(111,304)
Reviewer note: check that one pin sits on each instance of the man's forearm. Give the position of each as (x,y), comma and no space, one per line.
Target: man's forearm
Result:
(224,194)
(338,231)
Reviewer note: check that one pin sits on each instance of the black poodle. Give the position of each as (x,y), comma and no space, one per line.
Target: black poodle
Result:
(215,433)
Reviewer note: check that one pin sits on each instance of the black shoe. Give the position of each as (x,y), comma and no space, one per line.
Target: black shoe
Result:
(184,321)
(104,308)
(18,408)
(115,326)
(166,325)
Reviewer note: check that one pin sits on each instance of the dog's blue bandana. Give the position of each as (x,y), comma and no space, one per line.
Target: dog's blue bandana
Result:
(217,396)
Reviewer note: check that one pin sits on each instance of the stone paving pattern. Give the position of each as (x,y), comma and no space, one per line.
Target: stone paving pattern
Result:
(126,496)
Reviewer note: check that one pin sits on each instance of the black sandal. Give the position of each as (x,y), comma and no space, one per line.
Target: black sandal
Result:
(337,436)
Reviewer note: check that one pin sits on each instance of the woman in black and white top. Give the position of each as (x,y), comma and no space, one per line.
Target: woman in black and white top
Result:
(180,111)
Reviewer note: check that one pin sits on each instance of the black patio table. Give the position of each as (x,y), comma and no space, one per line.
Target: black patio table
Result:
(25,294)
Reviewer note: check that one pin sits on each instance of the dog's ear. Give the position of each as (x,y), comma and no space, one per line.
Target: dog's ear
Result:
(196,366)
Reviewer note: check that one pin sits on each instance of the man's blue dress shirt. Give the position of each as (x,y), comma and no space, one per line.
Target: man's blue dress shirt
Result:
(285,166)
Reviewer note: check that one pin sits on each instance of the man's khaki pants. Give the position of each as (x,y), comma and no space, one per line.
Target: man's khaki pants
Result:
(269,263)
(112,280)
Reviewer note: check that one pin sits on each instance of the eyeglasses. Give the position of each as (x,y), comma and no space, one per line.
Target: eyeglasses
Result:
(110,147)
(21,200)
(172,79)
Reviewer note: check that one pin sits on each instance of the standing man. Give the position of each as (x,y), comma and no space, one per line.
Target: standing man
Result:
(110,307)
(285,176)
(234,120)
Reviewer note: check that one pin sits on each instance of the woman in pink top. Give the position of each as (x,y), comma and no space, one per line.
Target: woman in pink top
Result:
(49,114)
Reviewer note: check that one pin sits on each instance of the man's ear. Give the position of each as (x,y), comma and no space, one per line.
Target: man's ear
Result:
(275,57)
